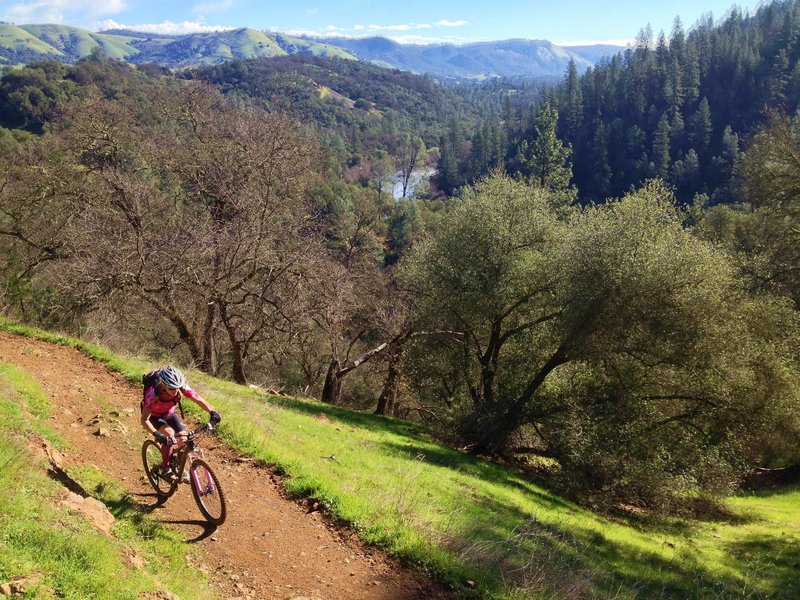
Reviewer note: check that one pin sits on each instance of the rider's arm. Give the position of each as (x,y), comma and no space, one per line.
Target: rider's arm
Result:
(148,426)
(197,399)
(147,411)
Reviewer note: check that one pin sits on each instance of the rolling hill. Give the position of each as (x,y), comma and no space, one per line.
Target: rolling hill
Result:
(28,43)
(510,58)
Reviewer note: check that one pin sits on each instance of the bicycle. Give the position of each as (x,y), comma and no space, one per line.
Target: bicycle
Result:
(205,485)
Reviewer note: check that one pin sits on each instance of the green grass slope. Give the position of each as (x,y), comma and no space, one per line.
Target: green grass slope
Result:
(27,43)
(218,47)
(295,45)
(15,39)
(76,43)
(487,530)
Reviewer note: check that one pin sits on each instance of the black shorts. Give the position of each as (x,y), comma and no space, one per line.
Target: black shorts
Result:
(172,420)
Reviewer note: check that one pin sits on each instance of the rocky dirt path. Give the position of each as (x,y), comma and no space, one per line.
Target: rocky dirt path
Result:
(269,547)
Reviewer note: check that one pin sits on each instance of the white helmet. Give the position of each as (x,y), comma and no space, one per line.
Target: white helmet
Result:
(171,378)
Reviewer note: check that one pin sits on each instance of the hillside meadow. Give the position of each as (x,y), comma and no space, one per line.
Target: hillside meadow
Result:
(484,529)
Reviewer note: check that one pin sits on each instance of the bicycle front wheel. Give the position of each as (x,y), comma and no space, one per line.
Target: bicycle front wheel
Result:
(153,468)
(207,492)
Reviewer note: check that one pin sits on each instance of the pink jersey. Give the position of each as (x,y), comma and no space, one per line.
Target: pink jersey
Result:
(161,406)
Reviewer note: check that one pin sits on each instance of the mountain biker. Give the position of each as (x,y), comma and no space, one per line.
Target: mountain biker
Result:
(167,387)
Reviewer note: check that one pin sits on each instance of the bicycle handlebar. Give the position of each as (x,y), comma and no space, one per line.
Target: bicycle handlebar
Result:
(202,429)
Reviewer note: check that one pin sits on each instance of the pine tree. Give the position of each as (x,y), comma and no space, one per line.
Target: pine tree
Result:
(701,127)
(660,153)
(573,106)
(545,159)
(447,172)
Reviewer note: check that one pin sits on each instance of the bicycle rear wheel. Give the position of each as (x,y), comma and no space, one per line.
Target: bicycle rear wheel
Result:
(207,492)
(151,457)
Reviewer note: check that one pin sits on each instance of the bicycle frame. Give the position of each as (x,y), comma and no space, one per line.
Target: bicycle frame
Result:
(188,451)
(203,481)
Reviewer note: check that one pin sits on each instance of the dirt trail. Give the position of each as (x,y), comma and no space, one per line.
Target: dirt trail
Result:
(269,547)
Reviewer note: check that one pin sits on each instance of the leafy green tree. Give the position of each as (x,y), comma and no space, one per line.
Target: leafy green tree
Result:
(486,277)
(353,221)
(614,338)
(28,96)
(770,181)
(380,172)
(8,143)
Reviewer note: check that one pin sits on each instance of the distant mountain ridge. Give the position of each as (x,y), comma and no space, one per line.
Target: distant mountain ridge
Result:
(21,44)
(507,58)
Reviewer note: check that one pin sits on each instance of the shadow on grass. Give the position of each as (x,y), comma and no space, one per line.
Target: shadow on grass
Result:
(474,466)
(771,564)
(518,548)
(350,417)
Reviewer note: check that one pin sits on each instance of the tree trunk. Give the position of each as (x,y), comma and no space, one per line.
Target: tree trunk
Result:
(237,367)
(209,361)
(332,390)
(237,352)
(388,398)
(490,429)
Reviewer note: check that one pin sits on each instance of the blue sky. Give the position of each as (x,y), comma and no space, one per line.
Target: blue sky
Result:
(411,21)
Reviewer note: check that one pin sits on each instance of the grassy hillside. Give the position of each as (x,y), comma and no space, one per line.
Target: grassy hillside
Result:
(527,58)
(27,43)
(488,530)
(295,45)
(214,48)
(16,41)
(76,43)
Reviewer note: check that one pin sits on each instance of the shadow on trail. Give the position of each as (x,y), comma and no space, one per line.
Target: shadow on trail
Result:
(148,507)
(208,528)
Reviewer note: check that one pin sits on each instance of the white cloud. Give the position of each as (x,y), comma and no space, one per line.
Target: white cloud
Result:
(58,11)
(301,32)
(446,23)
(167,27)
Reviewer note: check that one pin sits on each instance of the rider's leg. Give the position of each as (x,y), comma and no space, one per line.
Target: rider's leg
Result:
(166,449)
(173,428)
